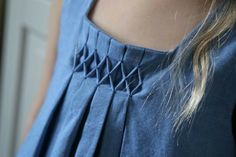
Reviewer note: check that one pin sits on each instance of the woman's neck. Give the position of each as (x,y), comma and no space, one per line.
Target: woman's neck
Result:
(157,24)
(171,8)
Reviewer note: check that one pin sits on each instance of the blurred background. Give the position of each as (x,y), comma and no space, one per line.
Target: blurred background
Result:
(23,39)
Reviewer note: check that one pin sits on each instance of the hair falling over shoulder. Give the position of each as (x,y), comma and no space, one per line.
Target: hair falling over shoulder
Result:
(190,95)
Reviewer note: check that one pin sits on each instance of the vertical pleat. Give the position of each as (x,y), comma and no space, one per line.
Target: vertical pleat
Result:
(87,144)
(112,135)
(74,110)
(33,143)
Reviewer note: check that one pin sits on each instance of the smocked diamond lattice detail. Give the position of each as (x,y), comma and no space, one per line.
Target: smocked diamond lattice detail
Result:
(106,72)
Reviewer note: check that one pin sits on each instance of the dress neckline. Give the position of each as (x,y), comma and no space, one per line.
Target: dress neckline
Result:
(134,55)
(92,4)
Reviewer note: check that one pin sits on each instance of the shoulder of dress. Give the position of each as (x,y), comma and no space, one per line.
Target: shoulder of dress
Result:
(225,55)
(228,44)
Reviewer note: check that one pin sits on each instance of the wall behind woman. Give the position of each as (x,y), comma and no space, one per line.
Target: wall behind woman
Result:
(2,15)
(23,54)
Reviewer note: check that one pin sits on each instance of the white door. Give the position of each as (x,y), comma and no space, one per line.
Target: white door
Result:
(24,51)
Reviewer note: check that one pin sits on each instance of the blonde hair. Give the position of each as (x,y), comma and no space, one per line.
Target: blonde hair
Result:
(198,49)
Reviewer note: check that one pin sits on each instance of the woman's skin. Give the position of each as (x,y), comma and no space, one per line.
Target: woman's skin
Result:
(156,24)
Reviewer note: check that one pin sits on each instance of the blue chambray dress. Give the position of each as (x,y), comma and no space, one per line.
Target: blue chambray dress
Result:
(97,105)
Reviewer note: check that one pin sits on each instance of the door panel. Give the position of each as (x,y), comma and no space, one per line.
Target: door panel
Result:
(34,49)
(24,52)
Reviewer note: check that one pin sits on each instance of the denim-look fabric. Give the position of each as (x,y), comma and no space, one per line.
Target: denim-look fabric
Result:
(95,101)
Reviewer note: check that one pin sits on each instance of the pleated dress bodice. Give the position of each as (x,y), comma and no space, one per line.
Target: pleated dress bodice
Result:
(99,103)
